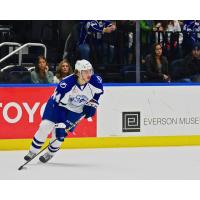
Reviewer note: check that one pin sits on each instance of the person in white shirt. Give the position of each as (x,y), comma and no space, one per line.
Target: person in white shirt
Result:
(63,70)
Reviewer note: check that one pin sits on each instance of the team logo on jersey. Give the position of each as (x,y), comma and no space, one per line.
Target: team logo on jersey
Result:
(131,121)
(63,85)
(78,100)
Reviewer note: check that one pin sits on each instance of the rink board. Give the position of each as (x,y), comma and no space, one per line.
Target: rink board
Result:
(129,115)
(21,108)
(149,110)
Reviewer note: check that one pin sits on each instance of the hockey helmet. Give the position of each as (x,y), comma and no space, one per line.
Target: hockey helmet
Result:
(83,65)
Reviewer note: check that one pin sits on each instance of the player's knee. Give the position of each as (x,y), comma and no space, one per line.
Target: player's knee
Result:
(46,126)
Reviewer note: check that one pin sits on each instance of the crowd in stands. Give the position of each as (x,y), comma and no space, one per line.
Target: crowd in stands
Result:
(170,51)
(41,73)
(179,57)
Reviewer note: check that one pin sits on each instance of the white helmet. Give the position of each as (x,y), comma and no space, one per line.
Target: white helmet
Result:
(83,65)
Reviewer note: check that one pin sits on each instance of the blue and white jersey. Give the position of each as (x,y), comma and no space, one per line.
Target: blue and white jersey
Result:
(71,95)
(92,27)
(192,27)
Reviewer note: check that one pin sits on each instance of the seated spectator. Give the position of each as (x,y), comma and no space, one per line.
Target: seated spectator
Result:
(64,69)
(192,65)
(41,74)
(157,65)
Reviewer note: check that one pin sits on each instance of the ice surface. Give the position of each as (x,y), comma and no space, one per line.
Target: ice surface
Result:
(110,163)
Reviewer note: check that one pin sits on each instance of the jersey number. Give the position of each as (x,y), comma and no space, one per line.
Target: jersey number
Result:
(56,97)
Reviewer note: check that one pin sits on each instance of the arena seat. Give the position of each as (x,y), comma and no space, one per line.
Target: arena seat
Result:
(20,77)
(7,76)
(176,68)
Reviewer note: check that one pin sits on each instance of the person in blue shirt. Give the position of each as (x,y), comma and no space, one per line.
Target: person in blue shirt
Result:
(191,34)
(76,96)
(92,31)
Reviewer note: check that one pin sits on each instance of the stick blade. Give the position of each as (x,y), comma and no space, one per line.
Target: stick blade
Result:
(20,168)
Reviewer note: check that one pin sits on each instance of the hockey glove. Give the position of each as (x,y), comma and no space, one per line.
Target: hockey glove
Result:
(89,109)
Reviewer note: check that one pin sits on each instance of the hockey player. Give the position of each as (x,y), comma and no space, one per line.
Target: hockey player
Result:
(75,96)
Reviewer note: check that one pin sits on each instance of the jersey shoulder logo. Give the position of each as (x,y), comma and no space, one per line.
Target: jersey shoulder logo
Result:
(99,79)
(63,85)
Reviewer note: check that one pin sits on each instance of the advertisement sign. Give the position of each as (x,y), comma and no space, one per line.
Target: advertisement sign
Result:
(21,109)
(149,111)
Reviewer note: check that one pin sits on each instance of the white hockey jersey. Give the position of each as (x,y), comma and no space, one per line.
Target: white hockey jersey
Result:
(71,95)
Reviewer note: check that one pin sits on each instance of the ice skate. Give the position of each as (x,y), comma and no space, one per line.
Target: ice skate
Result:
(29,156)
(46,157)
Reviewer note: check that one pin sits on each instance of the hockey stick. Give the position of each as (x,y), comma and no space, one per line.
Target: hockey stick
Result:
(72,126)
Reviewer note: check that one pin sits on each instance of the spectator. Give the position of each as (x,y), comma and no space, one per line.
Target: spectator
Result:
(103,45)
(173,39)
(157,65)
(173,26)
(125,41)
(192,65)
(41,74)
(165,33)
(106,52)
(64,69)
(158,28)
(70,49)
(146,28)
(191,33)
(90,30)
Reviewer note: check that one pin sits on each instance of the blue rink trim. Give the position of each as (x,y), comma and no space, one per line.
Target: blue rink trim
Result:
(105,84)
(26,85)
(150,84)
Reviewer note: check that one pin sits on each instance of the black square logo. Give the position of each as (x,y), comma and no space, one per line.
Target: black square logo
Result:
(130,121)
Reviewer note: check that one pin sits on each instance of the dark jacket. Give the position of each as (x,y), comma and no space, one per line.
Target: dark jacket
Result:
(152,70)
(191,66)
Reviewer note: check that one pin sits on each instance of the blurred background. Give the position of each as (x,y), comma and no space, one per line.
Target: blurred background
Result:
(121,51)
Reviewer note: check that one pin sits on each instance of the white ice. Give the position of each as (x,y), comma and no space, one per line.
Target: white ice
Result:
(109,163)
